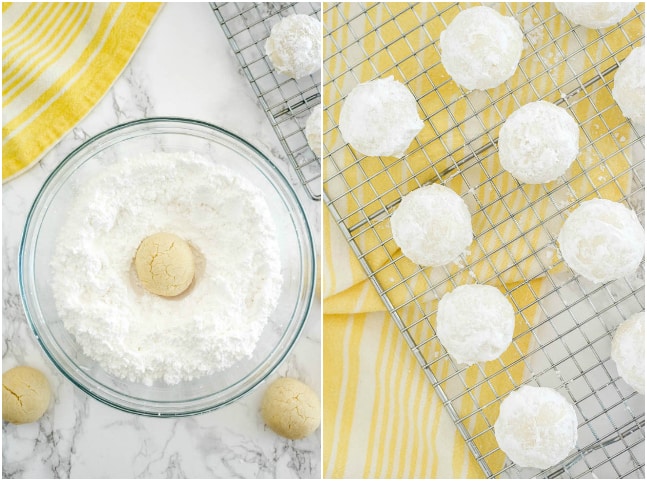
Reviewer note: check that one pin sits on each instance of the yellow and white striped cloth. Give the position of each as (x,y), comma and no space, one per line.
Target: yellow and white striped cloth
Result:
(58,60)
(381,416)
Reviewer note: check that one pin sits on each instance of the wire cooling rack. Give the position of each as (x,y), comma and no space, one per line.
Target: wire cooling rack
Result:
(287,102)
(566,343)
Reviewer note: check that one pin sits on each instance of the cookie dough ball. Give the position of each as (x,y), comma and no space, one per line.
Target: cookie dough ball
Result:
(25,395)
(313,131)
(165,265)
(294,46)
(380,118)
(628,351)
(291,409)
(595,14)
(536,427)
(538,142)
(629,86)
(475,323)
(480,48)
(432,225)
(602,240)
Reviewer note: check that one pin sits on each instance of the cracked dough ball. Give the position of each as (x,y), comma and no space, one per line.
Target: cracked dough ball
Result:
(536,427)
(538,142)
(291,409)
(313,130)
(602,240)
(165,265)
(475,323)
(432,225)
(628,351)
(629,86)
(380,118)
(481,48)
(25,395)
(595,14)
(294,45)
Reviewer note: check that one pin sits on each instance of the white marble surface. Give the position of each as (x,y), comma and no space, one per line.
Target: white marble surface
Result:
(184,67)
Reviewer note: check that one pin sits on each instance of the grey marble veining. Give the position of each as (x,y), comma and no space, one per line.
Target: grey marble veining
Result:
(183,68)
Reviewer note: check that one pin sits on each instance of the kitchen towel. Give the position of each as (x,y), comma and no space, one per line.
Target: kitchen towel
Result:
(381,416)
(58,61)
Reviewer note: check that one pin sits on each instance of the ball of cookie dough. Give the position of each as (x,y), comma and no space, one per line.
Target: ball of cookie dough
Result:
(481,48)
(628,351)
(595,14)
(432,225)
(25,395)
(313,130)
(294,45)
(536,427)
(291,409)
(475,323)
(602,240)
(380,118)
(538,142)
(629,86)
(165,265)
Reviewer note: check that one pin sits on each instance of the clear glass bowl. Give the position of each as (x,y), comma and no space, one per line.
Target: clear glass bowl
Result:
(48,214)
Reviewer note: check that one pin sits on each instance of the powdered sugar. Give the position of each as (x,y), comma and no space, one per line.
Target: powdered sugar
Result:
(137,335)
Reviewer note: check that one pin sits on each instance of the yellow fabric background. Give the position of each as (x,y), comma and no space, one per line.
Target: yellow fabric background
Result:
(381,415)
(58,60)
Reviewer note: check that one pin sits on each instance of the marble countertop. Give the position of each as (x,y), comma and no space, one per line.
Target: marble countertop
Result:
(184,67)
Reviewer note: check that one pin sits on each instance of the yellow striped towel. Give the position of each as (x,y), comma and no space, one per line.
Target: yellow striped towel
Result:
(58,60)
(381,416)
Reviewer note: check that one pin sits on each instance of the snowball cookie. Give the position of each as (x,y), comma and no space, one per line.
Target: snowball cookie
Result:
(380,118)
(595,14)
(629,86)
(628,351)
(480,48)
(538,142)
(432,225)
(291,409)
(475,323)
(313,130)
(602,240)
(25,395)
(294,45)
(536,427)
(164,264)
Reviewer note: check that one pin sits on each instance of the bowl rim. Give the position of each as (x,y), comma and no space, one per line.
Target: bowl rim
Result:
(288,189)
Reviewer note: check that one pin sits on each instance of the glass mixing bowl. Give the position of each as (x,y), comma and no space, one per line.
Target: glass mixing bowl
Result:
(48,214)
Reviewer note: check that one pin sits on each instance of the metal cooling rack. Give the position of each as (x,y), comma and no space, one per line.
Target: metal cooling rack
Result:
(570,346)
(287,102)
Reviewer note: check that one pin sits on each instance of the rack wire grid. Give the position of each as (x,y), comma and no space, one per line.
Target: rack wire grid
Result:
(566,344)
(287,102)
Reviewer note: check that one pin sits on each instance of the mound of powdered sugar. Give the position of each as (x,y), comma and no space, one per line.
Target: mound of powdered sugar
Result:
(629,86)
(137,335)
(595,14)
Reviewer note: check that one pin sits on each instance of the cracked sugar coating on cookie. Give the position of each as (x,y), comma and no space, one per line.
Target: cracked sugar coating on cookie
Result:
(629,86)
(164,264)
(313,130)
(538,142)
(536,427)
(380,118)
(475,323)
(628,351)
(291,409)
(480,48)
(595,14)
(432,225)
(294,45)
(602,240)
